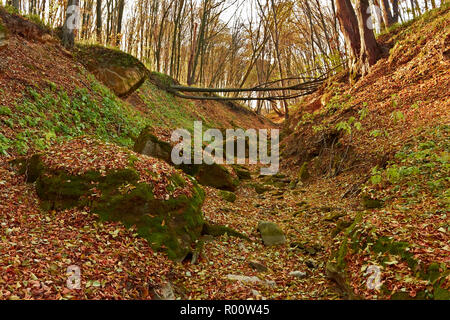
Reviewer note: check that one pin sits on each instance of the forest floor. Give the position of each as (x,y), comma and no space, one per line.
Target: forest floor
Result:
(37,247)
(301,214)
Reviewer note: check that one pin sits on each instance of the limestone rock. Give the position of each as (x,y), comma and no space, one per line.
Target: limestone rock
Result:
(119,71)
(214,175)
(298,274)
(249,279)
(258,266)
(271,233)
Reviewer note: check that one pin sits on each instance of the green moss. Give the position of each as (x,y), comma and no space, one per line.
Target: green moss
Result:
(215,175)
(303,174)
(242,172)
(369,203)
(105,56)
(441,294)
(163,81)
(218,230)
(400,249)
(31,168)
(260,188)
(228,196)
(41,118)
(158,149)
(172,224)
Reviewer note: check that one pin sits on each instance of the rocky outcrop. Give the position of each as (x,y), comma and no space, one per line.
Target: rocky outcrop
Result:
(119,71)
(148,144)
(122,80)
(214,175)
(161,202)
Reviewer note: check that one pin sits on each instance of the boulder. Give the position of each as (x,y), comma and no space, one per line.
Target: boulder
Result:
(248,279)
(260,188)
(369,203)
(271,233)
(298,274)
(242,172)
(119,71)
(228,196)
(161,202)
(258,266)
(149,145)
(214,175)
(122,80)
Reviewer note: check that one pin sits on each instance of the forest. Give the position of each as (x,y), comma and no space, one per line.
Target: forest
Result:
(320,160)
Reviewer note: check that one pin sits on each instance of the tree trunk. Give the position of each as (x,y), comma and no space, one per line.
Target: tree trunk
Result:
(413,10)
(349,27)
(278,56)
(386,13)
(395,11)
(121,6)
(16,4)
(71,23)
(370,50)
(98,29)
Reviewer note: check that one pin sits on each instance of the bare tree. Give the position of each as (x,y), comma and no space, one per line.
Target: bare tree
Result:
(350,30)
(120,8)
(386,13)
(370,51)
(68,37)
(98,27)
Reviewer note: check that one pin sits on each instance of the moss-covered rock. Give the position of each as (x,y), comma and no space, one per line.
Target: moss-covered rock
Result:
(228,196)
(271,233)
(260,188)
(166,211)
(216,230)
(214,175)
(242,172)
(117,70)
(370,203)
(149,145)
(303,173)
